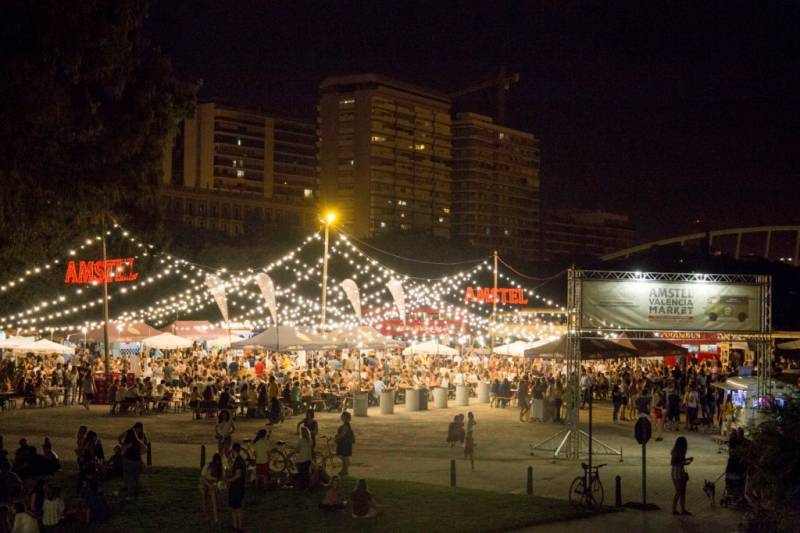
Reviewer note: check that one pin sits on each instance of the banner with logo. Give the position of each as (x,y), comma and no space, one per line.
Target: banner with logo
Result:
(267,288)
(217,289)
(395,287)
(669,305)
(351,290)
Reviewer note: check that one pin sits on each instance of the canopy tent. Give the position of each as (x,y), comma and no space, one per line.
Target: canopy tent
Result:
(590,349)
(365,337)
(220,342)
(652,347)
(14,342)
(431,347)
(45,346)
(122,332)
(286,338)
(167,341)
(516,348)
(196,330)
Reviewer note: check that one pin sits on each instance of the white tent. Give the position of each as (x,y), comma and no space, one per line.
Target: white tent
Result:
(45,346)
(431,347)
(14,342)
(365,337)
(166,341)
(516,348)
(287,338)
(790,345)
(220,342)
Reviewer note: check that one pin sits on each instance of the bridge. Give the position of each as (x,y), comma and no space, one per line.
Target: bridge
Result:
(759,240)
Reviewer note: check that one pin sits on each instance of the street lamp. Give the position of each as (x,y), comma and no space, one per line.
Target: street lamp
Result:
(330,218)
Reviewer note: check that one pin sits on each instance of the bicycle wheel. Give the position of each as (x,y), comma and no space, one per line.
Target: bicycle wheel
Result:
(277,461)
(576,491)
(597,492)
(333,465)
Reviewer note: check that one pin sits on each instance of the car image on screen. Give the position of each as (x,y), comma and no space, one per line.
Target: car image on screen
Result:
(727,307)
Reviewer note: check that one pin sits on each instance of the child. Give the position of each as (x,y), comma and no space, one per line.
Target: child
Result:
(471,423)
(469,448)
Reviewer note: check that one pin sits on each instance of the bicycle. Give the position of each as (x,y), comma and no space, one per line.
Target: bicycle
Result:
(327,459)
(587,489)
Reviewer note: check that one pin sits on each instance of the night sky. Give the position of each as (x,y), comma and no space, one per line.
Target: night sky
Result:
(669,113)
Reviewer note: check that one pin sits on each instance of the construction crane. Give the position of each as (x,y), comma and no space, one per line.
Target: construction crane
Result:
(502,82)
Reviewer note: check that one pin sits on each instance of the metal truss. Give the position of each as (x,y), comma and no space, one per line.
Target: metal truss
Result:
(671,276)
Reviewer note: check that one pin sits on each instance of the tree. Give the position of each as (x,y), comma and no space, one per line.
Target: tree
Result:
(773,459)
(86,103)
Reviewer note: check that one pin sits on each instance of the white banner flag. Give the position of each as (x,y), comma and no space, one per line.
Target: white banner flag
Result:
(268,292)
(395,287)
(217,289)
(351,290)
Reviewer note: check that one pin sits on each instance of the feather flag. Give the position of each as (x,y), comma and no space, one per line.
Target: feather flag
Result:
(217,289)
(351,290)
(395,287)
(268,292)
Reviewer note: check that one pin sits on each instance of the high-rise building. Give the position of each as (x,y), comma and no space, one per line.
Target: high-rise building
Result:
(495,186)
(385,154)
(228,166)
(572,234)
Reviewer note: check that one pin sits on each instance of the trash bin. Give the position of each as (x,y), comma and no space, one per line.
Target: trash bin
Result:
(387,402)
(462,395)
(412,400)
(440,397)
(423,399)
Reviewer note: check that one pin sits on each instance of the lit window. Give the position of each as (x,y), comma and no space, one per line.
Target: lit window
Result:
(239,173)
(383,224)
(505,232)
(378,138)
(307,193)
(352,162)
(235,162)
(419,146)
(501,136)
(446,210)
(441,219)
(238,141)
(402,215)
(402,202)
(347,101)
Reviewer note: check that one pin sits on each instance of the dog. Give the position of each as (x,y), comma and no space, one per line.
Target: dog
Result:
(710,489)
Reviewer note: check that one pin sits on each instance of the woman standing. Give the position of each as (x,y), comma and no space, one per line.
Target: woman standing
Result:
(679,475)
(236,487)
(88,389)
(345,438)
(210,477)
(224,428)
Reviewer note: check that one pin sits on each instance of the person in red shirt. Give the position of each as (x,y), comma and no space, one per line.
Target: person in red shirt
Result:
(259,367)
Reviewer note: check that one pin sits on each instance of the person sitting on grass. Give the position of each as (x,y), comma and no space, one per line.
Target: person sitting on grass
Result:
(333,499)
(363,503)
(210,478)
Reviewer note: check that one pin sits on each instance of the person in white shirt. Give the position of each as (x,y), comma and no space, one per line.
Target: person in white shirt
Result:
(52,508)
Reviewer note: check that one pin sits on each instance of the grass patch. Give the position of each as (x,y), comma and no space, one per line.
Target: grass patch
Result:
(172,503)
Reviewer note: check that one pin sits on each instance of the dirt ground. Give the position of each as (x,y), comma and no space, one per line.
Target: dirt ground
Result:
(411,446)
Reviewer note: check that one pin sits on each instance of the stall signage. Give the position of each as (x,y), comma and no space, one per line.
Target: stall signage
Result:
(499,295)
(111,270)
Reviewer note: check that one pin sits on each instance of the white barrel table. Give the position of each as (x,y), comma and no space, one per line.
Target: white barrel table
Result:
(483,392)
(387,402)
(462,395)
(440,398)
(412,400)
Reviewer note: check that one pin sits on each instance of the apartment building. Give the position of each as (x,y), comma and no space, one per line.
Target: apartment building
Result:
(495,197)
(385,155)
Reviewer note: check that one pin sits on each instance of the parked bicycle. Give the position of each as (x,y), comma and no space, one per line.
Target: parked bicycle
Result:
(587,489)
(327,460)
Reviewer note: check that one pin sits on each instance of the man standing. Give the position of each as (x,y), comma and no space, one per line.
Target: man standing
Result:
(522,399)
(586,385)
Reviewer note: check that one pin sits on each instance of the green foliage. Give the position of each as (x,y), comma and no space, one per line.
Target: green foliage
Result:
(773,460)
(86,104)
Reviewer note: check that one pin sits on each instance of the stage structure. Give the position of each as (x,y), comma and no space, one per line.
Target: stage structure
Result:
(607,304)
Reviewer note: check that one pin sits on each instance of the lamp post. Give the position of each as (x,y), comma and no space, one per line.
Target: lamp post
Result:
(106,361)
(329,219)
